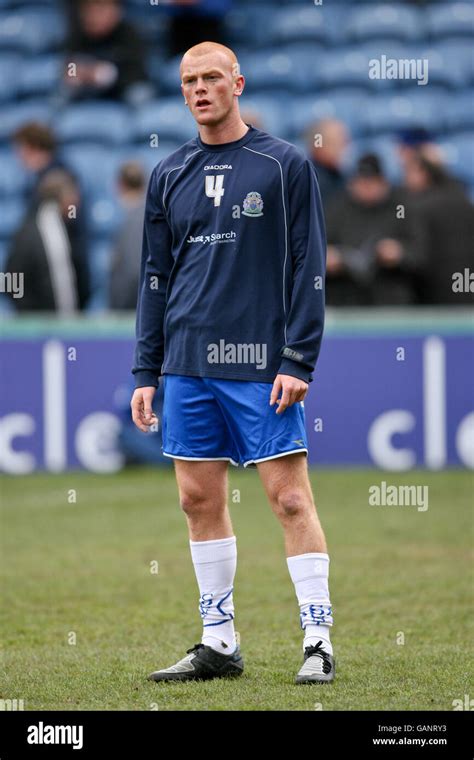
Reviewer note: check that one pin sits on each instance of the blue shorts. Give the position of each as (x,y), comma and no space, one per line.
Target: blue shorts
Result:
(210,418)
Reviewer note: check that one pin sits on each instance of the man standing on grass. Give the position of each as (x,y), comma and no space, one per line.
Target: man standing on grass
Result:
(230,315)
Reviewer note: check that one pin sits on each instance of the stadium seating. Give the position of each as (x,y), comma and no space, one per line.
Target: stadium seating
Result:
(107,123)
(392,21)
(444,20)
(14,115)
(302,62)
(457,151)
(168,118)
(32,30)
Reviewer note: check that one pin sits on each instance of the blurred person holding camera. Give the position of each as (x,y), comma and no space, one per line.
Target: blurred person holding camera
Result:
(105,54)
(446,218)
(374,248)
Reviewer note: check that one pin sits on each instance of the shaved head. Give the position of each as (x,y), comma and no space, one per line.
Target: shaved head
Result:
(207,48)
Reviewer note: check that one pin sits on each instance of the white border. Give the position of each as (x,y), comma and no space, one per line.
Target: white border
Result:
(202,459)
(275,456)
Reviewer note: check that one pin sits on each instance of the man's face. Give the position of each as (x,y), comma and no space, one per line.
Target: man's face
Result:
(32,158)
(100,17)
(368,190)
(209,84)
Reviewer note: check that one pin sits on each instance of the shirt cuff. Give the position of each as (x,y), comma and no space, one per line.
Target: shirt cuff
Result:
(295,369)
(145,378)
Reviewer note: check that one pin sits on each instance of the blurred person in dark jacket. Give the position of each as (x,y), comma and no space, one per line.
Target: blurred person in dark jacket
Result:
(416,142)
(375,253)
(125,267)
(193,21)
(35,144)
(446,217)
(328,141)
(53,266)
(105,54)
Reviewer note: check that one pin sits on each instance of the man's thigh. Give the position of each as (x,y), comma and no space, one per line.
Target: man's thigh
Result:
(201,481)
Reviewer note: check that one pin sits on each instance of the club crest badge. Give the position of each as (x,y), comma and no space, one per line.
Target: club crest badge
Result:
(253,205)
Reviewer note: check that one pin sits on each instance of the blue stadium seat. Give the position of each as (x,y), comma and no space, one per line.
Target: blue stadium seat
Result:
(344,67)
(448,65)
(13,116)
(32,30)
(94,165)
(454,19)
(170,80)
(392,20)
(347,106)
(293,71)
(459,111)
(149,21)
(149,157)
(168,118)
(306,23)
(416,107)
(11,214)
(459,54)
(9,85)
(100,251)
(103,213)
(273,114)
(13,177)
(458,152)
(249,26)
(94,121)
(39,75)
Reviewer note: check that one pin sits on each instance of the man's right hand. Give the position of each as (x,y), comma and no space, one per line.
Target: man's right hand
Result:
(142,413)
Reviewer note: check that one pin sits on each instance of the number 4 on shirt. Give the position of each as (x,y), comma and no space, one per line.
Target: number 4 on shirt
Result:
(215,187)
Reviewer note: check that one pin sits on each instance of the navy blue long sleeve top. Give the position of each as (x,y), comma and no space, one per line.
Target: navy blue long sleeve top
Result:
(233,263)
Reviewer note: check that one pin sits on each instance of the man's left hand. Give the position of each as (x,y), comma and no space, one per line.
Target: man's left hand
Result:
(286,391)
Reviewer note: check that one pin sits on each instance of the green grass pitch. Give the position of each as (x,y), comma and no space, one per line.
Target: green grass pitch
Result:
(86,620)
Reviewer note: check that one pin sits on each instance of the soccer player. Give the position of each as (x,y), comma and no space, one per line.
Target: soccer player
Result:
(230,316)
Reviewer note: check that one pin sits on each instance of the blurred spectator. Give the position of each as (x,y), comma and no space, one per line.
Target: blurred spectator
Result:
(107,53)
(416,142)
(252,118)
(328,140)
(194,21)
(35,144)
(374,253)
(446,218)
(54,267)
(126,256)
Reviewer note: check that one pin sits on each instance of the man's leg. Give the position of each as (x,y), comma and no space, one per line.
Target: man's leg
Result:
(287,485)
(203,497)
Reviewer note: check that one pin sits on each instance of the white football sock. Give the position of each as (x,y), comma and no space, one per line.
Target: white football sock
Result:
(215,563)
(310,575)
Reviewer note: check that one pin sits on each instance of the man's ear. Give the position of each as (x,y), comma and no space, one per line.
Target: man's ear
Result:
(239,87)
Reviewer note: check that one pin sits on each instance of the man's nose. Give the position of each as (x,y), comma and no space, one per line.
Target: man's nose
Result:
(201,86)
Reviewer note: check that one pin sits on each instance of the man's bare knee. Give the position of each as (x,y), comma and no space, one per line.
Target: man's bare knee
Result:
(192,500)
(292,502)
(202,487)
